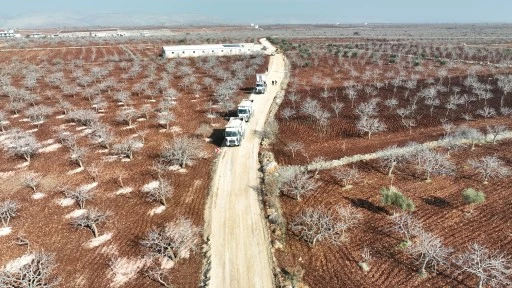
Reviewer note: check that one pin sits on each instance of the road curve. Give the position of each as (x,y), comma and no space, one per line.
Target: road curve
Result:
(239,247)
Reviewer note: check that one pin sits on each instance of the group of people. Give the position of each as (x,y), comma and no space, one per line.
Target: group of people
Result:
(274,82)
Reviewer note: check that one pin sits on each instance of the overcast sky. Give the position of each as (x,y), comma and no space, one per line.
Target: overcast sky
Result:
(278,11)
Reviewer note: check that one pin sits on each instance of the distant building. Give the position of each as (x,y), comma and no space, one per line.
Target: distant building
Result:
(210,50)
(36,35)
(9,34)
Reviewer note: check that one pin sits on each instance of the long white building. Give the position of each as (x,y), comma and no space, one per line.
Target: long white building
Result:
(211,50)
(9,34)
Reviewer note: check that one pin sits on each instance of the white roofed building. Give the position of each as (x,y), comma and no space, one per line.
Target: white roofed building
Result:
(211,50)
(9,34)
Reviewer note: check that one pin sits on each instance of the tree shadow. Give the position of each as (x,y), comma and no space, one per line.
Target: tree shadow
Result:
(365,204)
(437,202)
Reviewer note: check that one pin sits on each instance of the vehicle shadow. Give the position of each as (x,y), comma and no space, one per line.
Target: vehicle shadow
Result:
(247,90)
(217,137)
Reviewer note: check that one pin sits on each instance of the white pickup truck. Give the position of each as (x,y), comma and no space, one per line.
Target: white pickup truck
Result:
(246,109)
(235,131)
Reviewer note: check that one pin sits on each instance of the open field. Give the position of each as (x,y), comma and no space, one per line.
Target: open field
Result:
(131,97)
(361,94)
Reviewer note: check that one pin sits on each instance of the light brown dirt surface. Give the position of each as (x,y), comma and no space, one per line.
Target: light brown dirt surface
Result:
(240,252)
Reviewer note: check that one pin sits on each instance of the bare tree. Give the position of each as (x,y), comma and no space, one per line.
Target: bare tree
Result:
(430,250)
(336,107)
(94,170)
(348,216)
(80,195)
(406,224)
(471,134)
(77,155)
(390,159)
(127,116)
(287,113)
(314,225)
(346,175)
(490,267)
(165,118)
(163,191)
(127,147)
(90,220)
(159,275)
(22,144)
(37,273)
(431,162)
(174,240)
(102,135)
(296,183)
(182,151)
(8,209)
(294,147)
(496,131)
(370,126)
(37,114)
(31,180)
(489,167)
(3,121)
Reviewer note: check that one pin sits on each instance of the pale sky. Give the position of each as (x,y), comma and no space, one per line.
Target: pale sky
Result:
(277,11)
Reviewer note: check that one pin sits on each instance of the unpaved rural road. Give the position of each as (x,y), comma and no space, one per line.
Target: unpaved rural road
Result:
(239,241)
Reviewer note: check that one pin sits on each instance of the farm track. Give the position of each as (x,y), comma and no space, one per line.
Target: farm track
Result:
(239,254)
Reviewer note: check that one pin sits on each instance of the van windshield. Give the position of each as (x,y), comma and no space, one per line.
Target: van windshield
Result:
(231,134)
(243,111)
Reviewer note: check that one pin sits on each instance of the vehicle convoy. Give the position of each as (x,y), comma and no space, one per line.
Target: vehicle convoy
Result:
(246,109)
(235,131)
(261,84)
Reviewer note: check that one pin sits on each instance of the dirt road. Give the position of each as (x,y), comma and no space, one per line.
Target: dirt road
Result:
(239,241)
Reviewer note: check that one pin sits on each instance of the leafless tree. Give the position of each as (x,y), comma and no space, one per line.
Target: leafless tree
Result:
(287,113)
(431,162)
(346,175)
(3,121)
(165,118)
(336,107)
(80,195)
(38,114)
(471,134)
(486,112)
(489,167)
(102,135)
(182,151)
(127,147)
(94,170)
(390,159)
(370,126)
(347,216)
(159,275)
(296,183)
(430,250)
(22,144)
(65,138)
(174,240)
(496,131)
(122,97)
(314,225)
(31,180)
(8,209)
(490,267)
(38,273)
(77,155)
(409,123)
(127,116)
(294,147)
(90,220)
(406,224)
(84,117)
(163,191)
